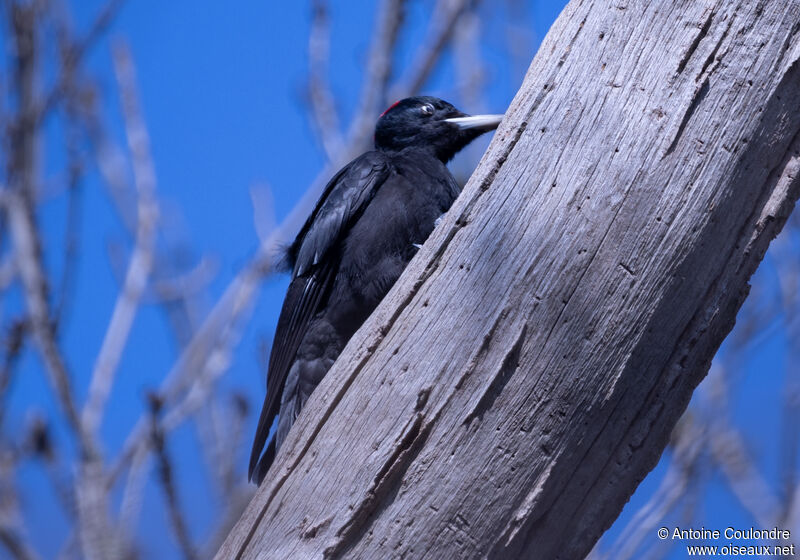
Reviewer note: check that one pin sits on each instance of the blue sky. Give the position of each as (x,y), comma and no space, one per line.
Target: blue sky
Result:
(222,93)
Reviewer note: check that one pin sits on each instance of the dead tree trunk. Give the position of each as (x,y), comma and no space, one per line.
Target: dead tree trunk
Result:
(525,373)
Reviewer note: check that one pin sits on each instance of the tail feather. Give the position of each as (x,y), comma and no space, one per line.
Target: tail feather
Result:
(260,470)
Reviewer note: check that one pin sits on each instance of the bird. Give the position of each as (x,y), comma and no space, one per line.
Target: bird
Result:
(370,220)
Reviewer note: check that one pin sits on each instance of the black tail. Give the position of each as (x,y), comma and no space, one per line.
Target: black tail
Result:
(259,470)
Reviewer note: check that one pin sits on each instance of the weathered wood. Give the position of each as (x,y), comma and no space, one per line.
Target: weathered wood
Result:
(526,371)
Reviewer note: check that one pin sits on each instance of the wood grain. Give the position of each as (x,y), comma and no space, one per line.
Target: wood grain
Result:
(524,374)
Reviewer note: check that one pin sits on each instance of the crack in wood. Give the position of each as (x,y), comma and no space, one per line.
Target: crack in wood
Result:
(522,515)
(422,398)
(626,268)
(500,377)
(547,490)
(565,54)
(698,331)
(478,355)
(312,531)
(406,448)
(696,43)
(699,94)
(713,55)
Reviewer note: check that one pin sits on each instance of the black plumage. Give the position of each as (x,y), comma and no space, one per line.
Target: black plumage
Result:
(370,220)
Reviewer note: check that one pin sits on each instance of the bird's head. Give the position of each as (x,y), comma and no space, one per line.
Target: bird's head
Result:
(429,123)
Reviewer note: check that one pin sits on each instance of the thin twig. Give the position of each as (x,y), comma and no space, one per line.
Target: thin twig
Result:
(235,503)
(239,410)
(230,310)
(111,163)
(445,18)
(14,544)
(75,172)
(183,285)
(12,536)
(793,518)
(167,481)
(71,240)
(133,494)
(26,247)
(730,453)
(264,219)
(19,207)
(323,106)
(13,343)
(74,54)
(391,14)
(470,67)
(208,427)
(788,270)
(140,264)
(197,395)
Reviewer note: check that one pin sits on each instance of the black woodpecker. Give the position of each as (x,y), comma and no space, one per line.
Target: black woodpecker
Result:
(368,224)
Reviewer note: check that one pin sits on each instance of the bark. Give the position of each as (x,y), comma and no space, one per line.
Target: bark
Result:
(525,373)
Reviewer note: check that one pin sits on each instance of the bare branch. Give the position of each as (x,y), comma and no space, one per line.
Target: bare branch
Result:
(236,502)
(71,230)
(323,106)
(234,491)
(95,531)
(184,285)
(788,269)
(73,55)
(111,164)
(154,272)
(263,210)
(235,432)
(18,201)
(133,493)
(13,342)
(391,14)
(75,168)
(443,23)
(470,66)
(142,258)
(166,478)
(793,518)
(730,453)
(26,245)
(230,310)
(14,544)
(12,538)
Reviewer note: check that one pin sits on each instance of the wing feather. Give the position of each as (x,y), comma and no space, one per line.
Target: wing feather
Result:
(315,264)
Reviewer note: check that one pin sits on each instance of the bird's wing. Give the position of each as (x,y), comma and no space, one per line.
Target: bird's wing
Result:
(344,198)
(341,203)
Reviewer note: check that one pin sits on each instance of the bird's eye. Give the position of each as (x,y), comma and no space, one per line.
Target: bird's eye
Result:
(427,109)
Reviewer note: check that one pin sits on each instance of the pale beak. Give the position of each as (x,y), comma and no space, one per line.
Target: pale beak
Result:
(479,122)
